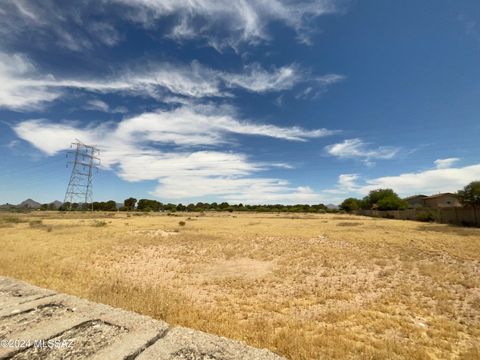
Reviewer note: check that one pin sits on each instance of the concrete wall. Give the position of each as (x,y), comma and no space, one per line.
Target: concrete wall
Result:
(458,216)
(37,324)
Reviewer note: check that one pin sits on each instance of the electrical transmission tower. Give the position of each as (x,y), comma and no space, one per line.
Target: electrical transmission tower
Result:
(84,163)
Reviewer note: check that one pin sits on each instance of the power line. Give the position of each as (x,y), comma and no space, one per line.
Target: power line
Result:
(49,163)
(30,181)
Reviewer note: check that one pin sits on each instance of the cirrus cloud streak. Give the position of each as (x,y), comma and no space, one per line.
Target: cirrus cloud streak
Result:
(24,87)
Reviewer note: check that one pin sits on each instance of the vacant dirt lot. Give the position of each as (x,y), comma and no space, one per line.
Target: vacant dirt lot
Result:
(305,286)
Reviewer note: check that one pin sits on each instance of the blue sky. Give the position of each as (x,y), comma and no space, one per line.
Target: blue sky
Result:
(270,101)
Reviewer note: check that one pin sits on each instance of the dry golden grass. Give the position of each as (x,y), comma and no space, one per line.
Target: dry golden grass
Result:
(304,286)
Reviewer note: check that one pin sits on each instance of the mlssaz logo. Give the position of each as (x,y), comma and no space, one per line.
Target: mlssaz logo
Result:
(53,344)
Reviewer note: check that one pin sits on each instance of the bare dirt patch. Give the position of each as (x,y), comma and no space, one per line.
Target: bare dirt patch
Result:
(237,268)
(155,232)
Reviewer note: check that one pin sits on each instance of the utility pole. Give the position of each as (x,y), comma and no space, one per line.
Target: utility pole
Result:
(79,189)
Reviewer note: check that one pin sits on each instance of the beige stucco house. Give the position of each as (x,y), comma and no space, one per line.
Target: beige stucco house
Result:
(443,200)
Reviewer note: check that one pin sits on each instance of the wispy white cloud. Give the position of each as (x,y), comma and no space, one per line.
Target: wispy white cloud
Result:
(24,86)
(132,148)
(120,109)
(317,86)
(228,23)
(329,79)
(358,149)
(15,92)
(348,181)
(51,138)
(99,105)
(87,24)
(470,24)
(71,25)
(445,163)
(254,78)
(346,186)
(184,126)
(205,125)
(96,104)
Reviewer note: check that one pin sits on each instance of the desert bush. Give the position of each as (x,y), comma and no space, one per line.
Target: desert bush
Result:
(36,223)
(425,217)
(465,223)
(99,223)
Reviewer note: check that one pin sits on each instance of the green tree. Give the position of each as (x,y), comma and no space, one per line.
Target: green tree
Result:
(149,205)
(350,204)
(129,204)
(170,207)
(64,207)
(470,195)
(223,206)
(383,199)
(110,206)
(181,207)
(391,203)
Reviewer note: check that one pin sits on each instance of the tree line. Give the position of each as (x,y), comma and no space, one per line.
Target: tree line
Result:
(148,205)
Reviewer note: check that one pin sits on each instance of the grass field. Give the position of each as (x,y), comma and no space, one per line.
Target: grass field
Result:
(304,286)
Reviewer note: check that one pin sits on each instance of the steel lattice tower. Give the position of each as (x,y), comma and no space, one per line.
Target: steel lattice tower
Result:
(79,189)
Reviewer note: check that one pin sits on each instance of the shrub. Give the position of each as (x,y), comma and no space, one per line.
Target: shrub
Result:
(425,216)
(36,223)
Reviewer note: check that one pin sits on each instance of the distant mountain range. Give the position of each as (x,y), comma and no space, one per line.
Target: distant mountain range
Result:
(29,204)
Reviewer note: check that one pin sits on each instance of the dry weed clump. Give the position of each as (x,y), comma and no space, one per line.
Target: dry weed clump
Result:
(36,224)
(351,223)
(307,288)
